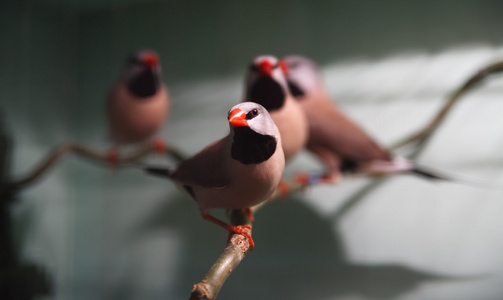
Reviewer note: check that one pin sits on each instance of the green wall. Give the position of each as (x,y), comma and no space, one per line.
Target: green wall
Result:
(100,234)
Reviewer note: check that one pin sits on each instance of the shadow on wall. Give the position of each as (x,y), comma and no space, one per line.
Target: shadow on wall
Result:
(18,280)
(301,258)
(295,258)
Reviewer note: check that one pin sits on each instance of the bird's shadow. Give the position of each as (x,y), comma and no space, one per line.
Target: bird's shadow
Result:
(298,255)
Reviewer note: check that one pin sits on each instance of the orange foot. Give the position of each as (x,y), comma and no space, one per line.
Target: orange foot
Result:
(303,178)
(284,189)
(331,178)
(307,179)
(113,157)
(242,229)
(159,145)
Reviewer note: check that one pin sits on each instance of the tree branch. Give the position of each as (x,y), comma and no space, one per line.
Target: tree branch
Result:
(236,249)
(86,152)
(424,134)
(234,252)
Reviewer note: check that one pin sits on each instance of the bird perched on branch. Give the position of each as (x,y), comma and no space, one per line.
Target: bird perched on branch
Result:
(138,103)
(236,172)
(337,140)
(266,85)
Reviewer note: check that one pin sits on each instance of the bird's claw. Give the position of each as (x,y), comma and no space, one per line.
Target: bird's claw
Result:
(306,179)
(303,178)
(249,214)
(244,230)
(113,157)
(284,189)
(159,145)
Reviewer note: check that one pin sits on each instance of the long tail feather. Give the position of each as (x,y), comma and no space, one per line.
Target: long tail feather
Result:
(437,176)
(407,166)
(433,175)
(158,171)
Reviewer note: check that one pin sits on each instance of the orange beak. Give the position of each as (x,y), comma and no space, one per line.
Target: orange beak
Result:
(265,68)
(151,60)
(237,118)
(283,65)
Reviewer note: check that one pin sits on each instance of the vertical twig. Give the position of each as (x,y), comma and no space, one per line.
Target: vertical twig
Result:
(234,252)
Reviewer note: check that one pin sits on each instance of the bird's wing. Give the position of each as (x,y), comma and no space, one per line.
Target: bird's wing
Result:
(208,168)
(332,129)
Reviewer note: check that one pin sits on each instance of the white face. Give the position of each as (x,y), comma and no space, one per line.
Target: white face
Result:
(303,73)
(258,119)
(267,64)
(138,63)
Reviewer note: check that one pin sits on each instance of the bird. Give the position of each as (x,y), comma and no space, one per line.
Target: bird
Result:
(265,84)
(338,141)
(237,171)
(138,104)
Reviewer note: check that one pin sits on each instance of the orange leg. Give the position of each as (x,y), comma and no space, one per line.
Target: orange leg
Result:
(303,178)
(307,179)
(240,229)
(331,178)
(249,214)
(159,145)
(284,189)
(113,157)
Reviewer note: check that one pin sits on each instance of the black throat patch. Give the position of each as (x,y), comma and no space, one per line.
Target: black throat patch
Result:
(144,85)
(295,90)
(250,147)
(268,93)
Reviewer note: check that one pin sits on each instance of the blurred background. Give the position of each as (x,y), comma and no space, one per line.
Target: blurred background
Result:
(86,232)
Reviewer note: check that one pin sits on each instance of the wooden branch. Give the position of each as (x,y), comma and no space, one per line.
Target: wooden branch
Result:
(236,249)
(86,152)
(424,134)
(234,252)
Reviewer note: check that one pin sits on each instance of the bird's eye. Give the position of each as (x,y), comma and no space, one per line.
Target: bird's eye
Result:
(253,67)
(134,60)
(252,114)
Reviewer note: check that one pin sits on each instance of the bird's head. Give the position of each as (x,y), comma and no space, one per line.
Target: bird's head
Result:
(142,73)
(302,75)
(255,135)
(265,83)
(254,116)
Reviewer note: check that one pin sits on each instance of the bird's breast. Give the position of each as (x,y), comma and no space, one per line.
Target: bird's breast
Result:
(133,121)
(293,127)
(250,185)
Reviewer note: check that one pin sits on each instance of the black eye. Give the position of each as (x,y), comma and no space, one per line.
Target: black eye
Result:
(133,60)
(295,90)
(252,114)
(253,67)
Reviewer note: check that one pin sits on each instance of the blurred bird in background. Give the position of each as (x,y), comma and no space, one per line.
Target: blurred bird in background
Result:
(266,85)
(339,142)
(236,172)
(138,103)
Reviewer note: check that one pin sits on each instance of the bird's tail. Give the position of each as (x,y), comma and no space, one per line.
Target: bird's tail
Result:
(158,171)
(430,174)
(402,165)
(438,176)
